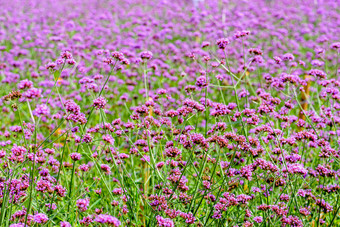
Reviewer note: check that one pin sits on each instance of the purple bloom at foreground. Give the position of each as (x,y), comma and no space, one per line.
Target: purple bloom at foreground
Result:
(292,221)
(99,103)
(166,222)
(201,82)
(72,107)
(40,218)
(87,138)
(107,219)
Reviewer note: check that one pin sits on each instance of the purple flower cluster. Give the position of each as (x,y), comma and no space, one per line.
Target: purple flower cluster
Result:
(107,219)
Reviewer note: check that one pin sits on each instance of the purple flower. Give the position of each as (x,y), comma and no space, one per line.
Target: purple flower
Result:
(51,65)
(205,44)
(66,55)
(75,156)
(40,218)
(72,107)
(317,63)
(41,110)
(255,51)
(278,60)
(84,167)
(258,219)
(222,43)
(108,139)
(317,73)
(25,84)
(65,224)
(146,55)
(240,34)
(107,219)
(83,204)
(335,46)
(105,168)
(304,211)
(201,82)
(288,57)
(99,103)
(87,138)
(165,222)
(32,93)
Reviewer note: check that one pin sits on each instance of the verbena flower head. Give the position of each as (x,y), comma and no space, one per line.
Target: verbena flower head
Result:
(222,43)
(41,110)
(40,218)
(146,55)
(75,156)
(107,219)
(83,204)
(166,222)
(99,103)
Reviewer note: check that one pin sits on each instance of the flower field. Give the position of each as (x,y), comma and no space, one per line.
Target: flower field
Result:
(170,113)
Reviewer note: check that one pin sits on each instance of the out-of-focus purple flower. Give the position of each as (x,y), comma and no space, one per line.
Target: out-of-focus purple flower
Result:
(222,43)
(32,93)
(83,204)
(75,156)
(108,139)
(317,73)
(201,82)
(335,46)
(165,222)
(40,218)
(205,44)
(72,107)
(105,168)
(41,110)
(25,84)
(146,55)
(258,219)
(240,34)
(288,57)
(65,224)
(107,219)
